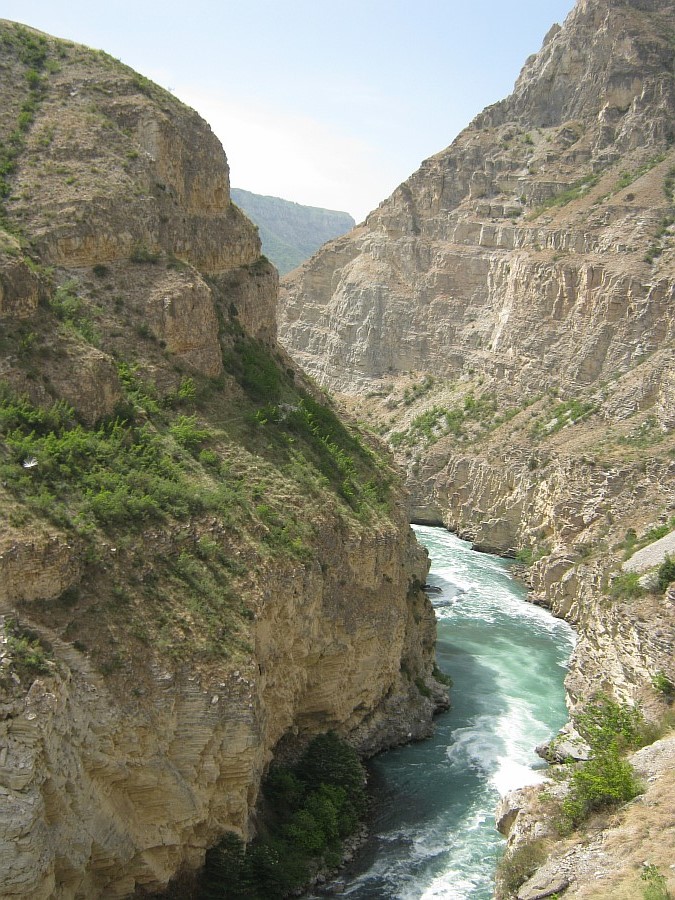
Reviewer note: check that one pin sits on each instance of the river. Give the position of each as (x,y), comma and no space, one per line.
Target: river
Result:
(433,834)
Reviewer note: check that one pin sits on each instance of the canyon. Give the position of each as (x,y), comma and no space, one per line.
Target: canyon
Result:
(505,320)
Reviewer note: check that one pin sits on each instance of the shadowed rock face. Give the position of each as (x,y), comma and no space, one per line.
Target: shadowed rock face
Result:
(172,651)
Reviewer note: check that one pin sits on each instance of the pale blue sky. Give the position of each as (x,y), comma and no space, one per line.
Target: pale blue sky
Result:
(326,103)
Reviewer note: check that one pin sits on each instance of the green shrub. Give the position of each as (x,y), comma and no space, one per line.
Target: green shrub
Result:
(256,370)
(117,474)
(310,809)
(654,885)
(569,412)
(525,556)
(604,722)
(26,652)
(666,573)
(577,190)
(664,686)
(421,687)
(223,870)
(187,390)
(141,254)
(188,434)
(329,760)
(73,312)
(442,677)
(626,586)
(604,781)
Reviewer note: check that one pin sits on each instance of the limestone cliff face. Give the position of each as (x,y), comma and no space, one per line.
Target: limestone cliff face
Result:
(467,266)
(216,587)
(103,792)
(507,319)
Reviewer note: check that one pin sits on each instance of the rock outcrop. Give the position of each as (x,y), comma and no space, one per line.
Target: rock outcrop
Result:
(518,251)
(611,861)
(198,559)
(104,793)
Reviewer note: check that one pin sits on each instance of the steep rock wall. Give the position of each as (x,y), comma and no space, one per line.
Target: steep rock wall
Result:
(521,250)
(528,267)
(150,663)
(103,792)
(506,320)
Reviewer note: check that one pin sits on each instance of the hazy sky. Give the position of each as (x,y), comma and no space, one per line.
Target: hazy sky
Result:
(326,103)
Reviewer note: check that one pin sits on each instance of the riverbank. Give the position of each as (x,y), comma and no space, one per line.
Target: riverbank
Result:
(433,830)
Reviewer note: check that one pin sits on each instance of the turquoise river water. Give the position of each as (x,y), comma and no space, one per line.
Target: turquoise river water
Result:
(434,830)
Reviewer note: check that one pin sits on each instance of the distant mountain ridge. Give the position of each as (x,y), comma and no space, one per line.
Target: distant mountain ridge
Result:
(290,232)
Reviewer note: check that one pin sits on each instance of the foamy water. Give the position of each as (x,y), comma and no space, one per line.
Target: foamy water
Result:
(434,828)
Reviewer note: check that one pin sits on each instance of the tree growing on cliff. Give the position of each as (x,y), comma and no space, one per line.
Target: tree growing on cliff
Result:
(607,779)
(308,811)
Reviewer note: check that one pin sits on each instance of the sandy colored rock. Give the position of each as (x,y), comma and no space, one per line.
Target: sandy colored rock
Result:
(505,319)
(130,742)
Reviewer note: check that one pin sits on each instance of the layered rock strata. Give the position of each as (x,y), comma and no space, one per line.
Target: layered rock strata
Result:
(506,319)
(527,267)
(104,793)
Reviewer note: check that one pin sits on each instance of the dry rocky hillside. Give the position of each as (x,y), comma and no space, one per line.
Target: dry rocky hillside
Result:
(198,558)
(506,319)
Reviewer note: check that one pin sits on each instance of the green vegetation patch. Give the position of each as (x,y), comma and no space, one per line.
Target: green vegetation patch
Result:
(579,189)
(527,556)
(32,51)
(664,685)
(653,883)
(308,811)
(117,474)
(645,435)
(417,390)
(75,314)
(627,178)
(607,779)
(300,429)
(626,586)
(475,417)
(27,656)
(666,574)
(661,240)
(568,412)
(632,543)
(262,474)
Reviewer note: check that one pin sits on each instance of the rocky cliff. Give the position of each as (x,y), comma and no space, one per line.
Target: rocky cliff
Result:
(506,319)
(198,558)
